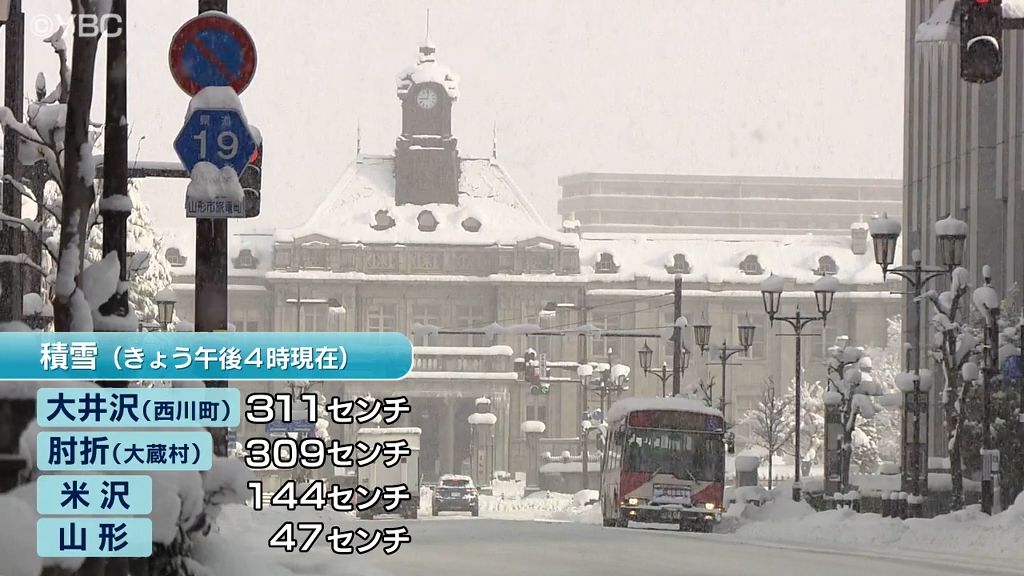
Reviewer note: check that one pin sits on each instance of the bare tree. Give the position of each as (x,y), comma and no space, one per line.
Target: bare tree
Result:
(70,309)
(770,424)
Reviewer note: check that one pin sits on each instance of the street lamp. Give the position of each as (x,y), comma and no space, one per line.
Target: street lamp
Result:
(824,293)
(665,373)
(165,301)
(702,333)
(951,236)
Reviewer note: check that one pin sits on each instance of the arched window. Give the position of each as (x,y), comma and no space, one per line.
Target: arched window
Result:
(826,266)
(679,265)
(382,220)
(471,224)
(750,265)
(175,258)
(245,259)
(426,221)
(606,264)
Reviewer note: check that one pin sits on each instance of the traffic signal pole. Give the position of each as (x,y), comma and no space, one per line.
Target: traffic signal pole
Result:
(211,303)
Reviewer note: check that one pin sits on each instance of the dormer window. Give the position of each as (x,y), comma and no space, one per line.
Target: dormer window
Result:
(382,220)
(606,264)
(245,259)
(426,221)
(679,265)
(826,266)
(471,224)
(175,258)
(751,266)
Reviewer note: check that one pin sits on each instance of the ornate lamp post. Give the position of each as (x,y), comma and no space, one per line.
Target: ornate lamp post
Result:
(664,374)
(165,301)
(824,293)
(702,334)
(951,235)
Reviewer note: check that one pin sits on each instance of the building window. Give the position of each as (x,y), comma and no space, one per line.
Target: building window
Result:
(470,316)
(424,313)
(599,346)
(606,264)
(175,258)
(314,255)
(382,220)
(679,265)
(245,260)
(537,408)
(471,224)
(382,318)
(426,221)
(826,266)
(246,320)
(540,258)
(759,349)
(282,257)
(314,318)
(751,266)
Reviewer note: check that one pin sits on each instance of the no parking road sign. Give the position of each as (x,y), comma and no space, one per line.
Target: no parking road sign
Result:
(212,49)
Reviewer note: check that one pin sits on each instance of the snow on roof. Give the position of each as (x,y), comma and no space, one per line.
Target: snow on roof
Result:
(622,408)
(427,70)
(462,351)
(715,258)
(486,193)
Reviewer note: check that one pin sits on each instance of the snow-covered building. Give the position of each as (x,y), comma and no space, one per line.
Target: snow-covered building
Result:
(670,203)
(427,236)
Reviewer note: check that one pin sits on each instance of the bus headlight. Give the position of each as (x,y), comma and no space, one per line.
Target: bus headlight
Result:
(709,506)
(633,501)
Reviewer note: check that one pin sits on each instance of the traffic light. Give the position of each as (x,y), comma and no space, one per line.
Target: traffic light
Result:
(532,367)
(251,180)
(981,40)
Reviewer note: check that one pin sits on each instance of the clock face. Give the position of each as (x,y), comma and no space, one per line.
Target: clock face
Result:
(426,98)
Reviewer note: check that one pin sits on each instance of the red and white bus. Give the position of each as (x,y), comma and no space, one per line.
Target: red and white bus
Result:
(663,462)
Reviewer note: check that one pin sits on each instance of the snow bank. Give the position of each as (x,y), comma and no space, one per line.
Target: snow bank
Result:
(532,427)
(486,419)
(620,409)
(967,532)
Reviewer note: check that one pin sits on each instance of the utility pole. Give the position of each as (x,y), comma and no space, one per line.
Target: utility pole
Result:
(211,305)
(14,97)
(115,207)
(677,336)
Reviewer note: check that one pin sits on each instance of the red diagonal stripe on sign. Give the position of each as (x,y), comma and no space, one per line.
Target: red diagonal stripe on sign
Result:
(209,55)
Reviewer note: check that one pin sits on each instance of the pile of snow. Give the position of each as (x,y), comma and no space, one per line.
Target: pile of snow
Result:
(18,535)
(211,183)
(967,532)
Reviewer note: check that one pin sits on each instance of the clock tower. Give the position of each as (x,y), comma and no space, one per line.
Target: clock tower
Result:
(426,154)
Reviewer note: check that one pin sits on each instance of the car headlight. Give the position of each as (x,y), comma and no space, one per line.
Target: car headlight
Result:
(633,501)
(709,506)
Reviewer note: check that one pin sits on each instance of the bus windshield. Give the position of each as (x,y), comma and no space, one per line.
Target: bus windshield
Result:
(681,453)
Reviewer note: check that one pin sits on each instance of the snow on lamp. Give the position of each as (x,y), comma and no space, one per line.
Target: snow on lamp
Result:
(952,235)
(165,301)
(771,294)
(884,234)
(824,293)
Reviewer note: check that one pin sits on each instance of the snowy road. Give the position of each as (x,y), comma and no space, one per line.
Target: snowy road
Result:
(455,546)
